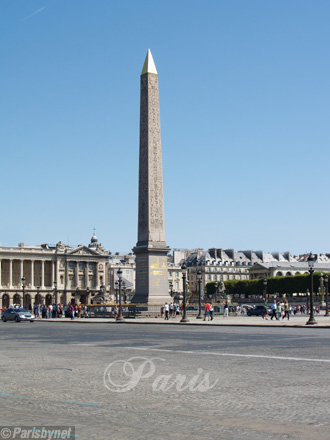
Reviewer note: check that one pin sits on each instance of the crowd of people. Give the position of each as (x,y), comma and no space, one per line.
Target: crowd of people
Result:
(43,311)
(170,310)
(281,309)
(60,310)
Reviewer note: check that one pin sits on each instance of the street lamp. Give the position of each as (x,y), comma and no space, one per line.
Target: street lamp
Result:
(322,287)
(124,287)
(326,281)
(55,292)
(199,279)
(184,276)
(216,289)
(120,280)
(311,320)
(116,290)
(265,289)
(171,289)
(23,287)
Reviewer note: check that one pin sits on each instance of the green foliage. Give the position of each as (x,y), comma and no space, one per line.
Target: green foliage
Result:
(275,285)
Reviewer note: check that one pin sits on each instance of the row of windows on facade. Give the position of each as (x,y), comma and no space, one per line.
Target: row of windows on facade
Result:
(221,277)
(81,282)
(229,269)
(73,265)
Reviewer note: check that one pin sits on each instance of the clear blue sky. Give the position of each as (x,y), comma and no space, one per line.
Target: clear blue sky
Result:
(245,120)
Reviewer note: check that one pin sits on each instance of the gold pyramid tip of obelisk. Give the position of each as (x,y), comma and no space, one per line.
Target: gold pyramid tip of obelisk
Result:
(149,64)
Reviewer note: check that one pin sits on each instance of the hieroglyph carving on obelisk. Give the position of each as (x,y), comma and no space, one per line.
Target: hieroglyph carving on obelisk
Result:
(151,250)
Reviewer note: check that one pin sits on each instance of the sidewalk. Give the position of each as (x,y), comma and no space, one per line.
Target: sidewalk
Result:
(248,321)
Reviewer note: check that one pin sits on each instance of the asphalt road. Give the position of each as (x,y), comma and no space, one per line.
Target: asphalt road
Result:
(117,381)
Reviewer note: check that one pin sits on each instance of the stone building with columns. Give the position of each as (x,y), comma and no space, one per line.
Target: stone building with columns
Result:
(51,273)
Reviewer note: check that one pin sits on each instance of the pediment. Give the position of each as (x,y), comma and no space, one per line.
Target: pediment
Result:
(83,250)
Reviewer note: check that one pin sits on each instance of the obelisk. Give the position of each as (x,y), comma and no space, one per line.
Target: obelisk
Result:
(151,251)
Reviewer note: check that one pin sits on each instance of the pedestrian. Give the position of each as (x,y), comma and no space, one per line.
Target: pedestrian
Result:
(286,310)
(211,311)
(225,309)
(274,310)
(207,311)
(166,310)
(279,312)
(162,311)
(265,315)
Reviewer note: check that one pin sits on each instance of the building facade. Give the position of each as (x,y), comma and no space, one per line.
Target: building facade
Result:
(220,265)
(51,273)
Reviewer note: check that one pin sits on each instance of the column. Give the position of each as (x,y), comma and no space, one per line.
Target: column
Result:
(97,276)
(21,271)
(53,273)
(10,273)
(87,276)
(67,275)
(32,273)
(42,274)
(77,274)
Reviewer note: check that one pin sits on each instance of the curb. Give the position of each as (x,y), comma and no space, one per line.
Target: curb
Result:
(190,324)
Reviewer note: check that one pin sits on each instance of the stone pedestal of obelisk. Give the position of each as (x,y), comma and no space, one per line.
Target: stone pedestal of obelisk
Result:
(150,250)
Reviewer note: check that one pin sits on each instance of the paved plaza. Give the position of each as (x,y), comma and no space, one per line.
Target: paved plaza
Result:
(233,320)
(118,381)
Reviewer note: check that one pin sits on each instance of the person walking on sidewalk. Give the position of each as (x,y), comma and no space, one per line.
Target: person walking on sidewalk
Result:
(207,311)
(225,309)
(211,311)
(274,310)
(286,310)
(166,310)
(265,315)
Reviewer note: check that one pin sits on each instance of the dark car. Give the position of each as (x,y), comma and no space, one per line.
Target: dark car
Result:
(258,311)
(17,315)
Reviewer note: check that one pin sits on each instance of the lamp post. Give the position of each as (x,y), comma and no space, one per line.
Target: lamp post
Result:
(322,287)
(120,280)
(199,279)
(171,289)
(87,295)
(216,289)
(55,292)
(124,287)
(184,276)
(265,289)
(116,290)
(23,287)
(311,320)
(326,281)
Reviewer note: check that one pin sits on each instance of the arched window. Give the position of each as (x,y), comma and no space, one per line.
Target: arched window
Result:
(5,300)
(17,299)
(279,274)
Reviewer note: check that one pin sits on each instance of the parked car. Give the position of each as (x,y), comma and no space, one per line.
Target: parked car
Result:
(258,311)
(17,315)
